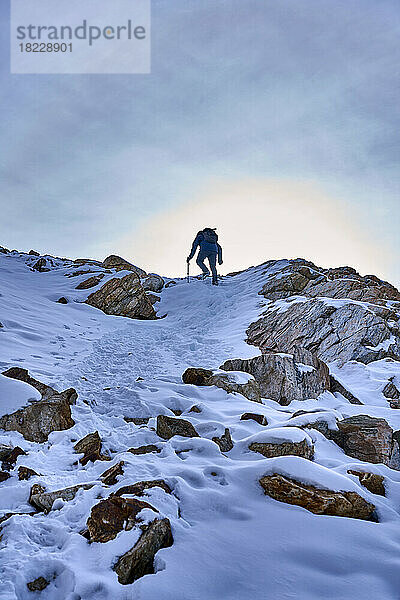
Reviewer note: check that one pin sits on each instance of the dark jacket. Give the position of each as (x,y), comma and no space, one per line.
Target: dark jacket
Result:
(206,248)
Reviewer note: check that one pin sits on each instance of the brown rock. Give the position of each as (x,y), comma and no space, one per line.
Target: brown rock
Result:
(271,449)
(110,476)
(197,376)
(38,585)
(167,427)
(41,266)
(224,441)
(254,417)
(317,501)
(390,391)
(25,473)
(139,488)
(205,377)
(145,449)
(110,516)
(62,300)
(371,481)
(5,451)
(195,409)
(120,264)
(11,458)
(4,476)
(46,391)
(33,253)
(137,420)
(90,447)
(89,283)
(153,283)
(124,297)
(4,250)
(336,386)
(139,560)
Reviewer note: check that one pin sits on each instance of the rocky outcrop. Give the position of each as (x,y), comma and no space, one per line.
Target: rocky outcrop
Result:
(284,448)
(225,381)
(4,475)
(4,250)
(110,476)
(153,283)
(139,560)
(10,458)
(47,392)
(285,378)
(337,387)
(123,297)
(90,447)
(317,501)
(110,516)
(139,488)
(120,264)
(339,332)
(254,417)
(91,282)
(147,449)
(37,585)
(391,392)
(25,473)
(224,441)
(371,481)
(167,427)
(41,266)
(43,501)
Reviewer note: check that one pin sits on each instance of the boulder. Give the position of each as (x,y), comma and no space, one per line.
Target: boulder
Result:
(139,488)
(337,387)
(225,381)
(115,514)
(89,283)
(62,300)
(33,253)
(254,417)
(47,392)
(10,458)
(43,501)
(38,585)
(25,473)
(90,447)
(139,560)
(284,378)
(4,250)
(4,475)
(273,448)
(391,392)
(41,266)
(167,427)
(371,481)
(145,449)
(5,451)
(224,441)
(123,297)
(153,283)
(137,420)
(120,264)
(110,476)
(316,500)
(340,332)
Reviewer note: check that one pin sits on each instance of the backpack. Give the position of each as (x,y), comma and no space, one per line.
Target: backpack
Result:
(210,236)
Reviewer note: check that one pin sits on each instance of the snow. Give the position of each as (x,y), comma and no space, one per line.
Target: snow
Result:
(15,395)
(230,540)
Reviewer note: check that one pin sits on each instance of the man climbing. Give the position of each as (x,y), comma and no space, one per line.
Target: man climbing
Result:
(207,241)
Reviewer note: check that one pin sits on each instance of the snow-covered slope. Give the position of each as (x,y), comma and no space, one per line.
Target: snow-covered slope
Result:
(230,540)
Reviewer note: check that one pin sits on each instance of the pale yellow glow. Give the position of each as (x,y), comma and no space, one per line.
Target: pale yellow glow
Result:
(258,220)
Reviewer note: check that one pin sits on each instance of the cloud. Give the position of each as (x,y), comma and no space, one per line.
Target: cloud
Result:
(258,220)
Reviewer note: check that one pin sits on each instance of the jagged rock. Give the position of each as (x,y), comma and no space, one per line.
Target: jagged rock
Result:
(110,516)
(4,475)
(224,441)
(62,300)
(334,333)
(33,253)
(38,585)
(139,488)
(285,441)
(139,560)
(46,391)
(4,250)
(153,298)
(90,447)
(167,427)
(285,378)
(88,261)
(89,283)
(120,264)
(11,458)
(367,438)
(124,297)
(254,417)
(36,489)
(137,420)
(371,481)
(41,266)
(317,501)
(37,421)
(43,501)
(25,473)
(390,391)
(144,449)
(195,409)
(225,381)
(5,451)
(153,283)
(110,476)
(336,386)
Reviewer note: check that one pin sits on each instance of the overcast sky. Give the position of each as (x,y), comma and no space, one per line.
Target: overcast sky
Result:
(276,121)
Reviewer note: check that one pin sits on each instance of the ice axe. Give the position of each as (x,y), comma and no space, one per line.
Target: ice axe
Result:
(187,271)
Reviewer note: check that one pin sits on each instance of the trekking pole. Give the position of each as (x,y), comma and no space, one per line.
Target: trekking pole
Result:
(187,274)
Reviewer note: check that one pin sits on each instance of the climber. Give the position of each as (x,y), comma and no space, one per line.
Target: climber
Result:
(207,240)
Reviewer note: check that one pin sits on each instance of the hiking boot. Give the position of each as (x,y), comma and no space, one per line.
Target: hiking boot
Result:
(215,282)
(204,275)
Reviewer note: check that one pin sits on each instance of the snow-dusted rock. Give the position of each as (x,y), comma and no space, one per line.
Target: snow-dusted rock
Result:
(167,427)
(371,481)
(44,501)
(91,282)
(229,382)
(139,488)
(124,297)
(90,447)
(153,283)
(317,501)
(224,441)
(285,378)
(112,515)
(110,476)
(282,441)
(139,560)
(120,264)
